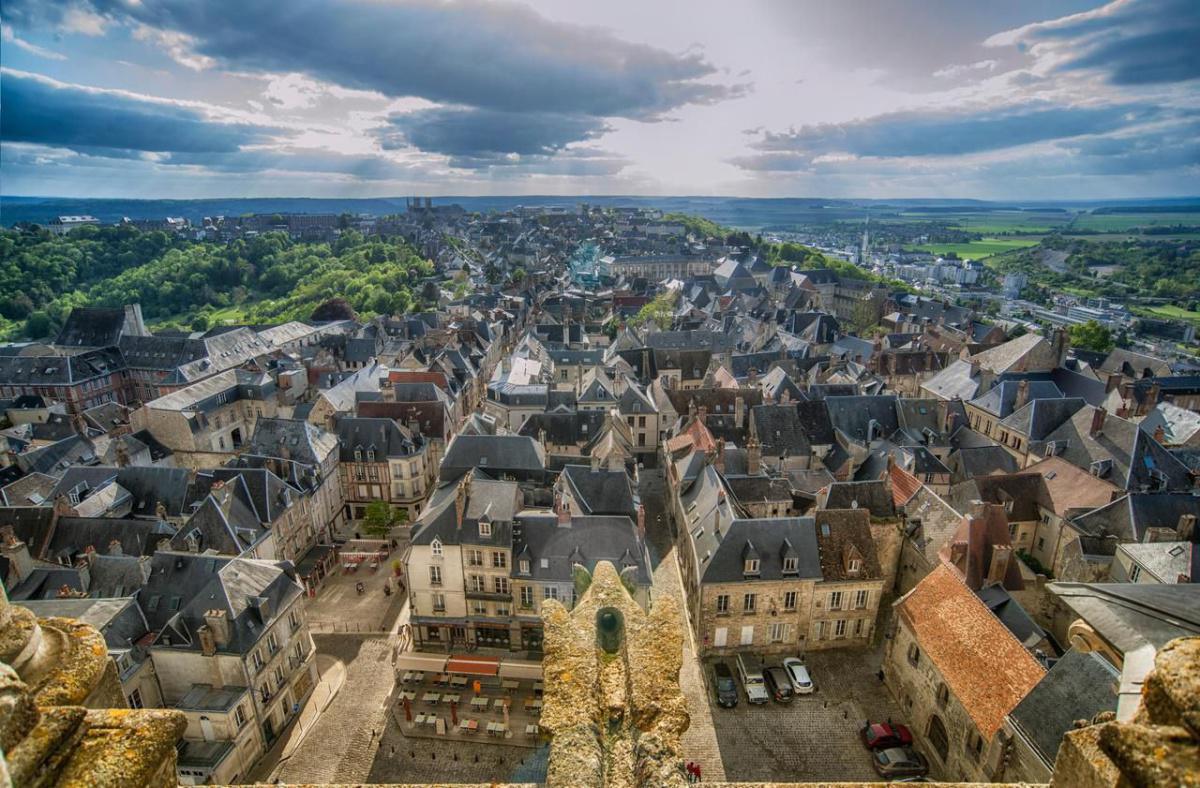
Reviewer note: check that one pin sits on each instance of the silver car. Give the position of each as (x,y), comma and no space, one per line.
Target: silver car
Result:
(802,683)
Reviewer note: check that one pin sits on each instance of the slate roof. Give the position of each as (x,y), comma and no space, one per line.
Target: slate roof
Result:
(840,531)
(780,431)
(875,496)
(601,491)
(1001,399)
(499,500)
(1079,686)
(384,437)
(1133,453)
(92,327)
(59,370)
(985,667)
(1130,615)
(853,415)
(769,538)
(1129,517)
(953,382)
(553,550)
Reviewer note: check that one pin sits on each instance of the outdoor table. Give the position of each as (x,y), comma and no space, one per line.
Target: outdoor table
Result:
(533,704)
(458,681)
(431,719)
(498,704)
(407,677)
(408,695)
(531,729)
(452,698)
(479,703)
(418,676)
(441,678)
(510,684)
(496,728)
(420,720)
(538,687)
(464,724)
(431,698)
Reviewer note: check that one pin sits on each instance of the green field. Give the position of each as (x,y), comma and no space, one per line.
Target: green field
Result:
(994,222)
(977,250)
(1169,312)
(1119,222)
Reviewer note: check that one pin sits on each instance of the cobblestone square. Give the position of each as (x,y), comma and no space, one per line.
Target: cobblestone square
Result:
(815,737)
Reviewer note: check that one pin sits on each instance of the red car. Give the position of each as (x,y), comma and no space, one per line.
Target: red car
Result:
(882,735)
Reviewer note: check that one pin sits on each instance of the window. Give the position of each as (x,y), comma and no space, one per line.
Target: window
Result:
(279,681)
(722,603)
(502,611)
(855,566)
(859,627)
(258,660)
(439,603)
(485,528)
(435,547)
(1134,573)
(914,655)
(435,575)
(499,560)
(751,566)
(480,608)
(135,699)
(777,633)
(943,695)
(501,585)
(524,566)
(749,602)
(294,620)
(272,643)
(974,745)
(861,598)
(835,600)
(839,628)
(152,603)
(791,565)
(938,739)
(1041,543)
(550,592)
(820,635)
(475,557)
(789,600)
(239,716)
(476,582)
(526,596)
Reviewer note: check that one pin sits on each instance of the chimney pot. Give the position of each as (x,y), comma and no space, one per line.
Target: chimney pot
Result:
(1098,416)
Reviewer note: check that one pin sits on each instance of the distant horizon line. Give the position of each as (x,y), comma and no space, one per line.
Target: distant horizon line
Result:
(584,197)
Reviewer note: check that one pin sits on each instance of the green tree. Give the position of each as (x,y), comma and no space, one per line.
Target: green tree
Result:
(1091,336)
(38,325)
(518,276)
(381,517)
(200,322)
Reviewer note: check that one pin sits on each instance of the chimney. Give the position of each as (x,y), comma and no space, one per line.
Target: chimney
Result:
(1160,434)
(702,413)
(753,456)
(998,568)
(1187,527)
(975,368)
(1152,396)
(739,411)
(958,552)
(460,499)
(1059,345)
(218,624)
(564,513)
(1022,395)
(1098,415)
(1114,380)
(114,548)
(720,458)
(208,643)
(595,462)
(641,520)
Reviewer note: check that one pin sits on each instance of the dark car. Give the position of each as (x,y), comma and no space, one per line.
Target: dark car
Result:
(726,689)
(882,735)
(897,762)
(779,684)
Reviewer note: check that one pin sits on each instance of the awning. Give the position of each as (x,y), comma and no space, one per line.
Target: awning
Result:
(416,660)
(473,666)
(517,669)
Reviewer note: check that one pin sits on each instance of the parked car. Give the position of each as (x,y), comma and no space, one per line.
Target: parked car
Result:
(779,684)
(885,735)
(802,683)
(750,671)
(896,762)
(725,687)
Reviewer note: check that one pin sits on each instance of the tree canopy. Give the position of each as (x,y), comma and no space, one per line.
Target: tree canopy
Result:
(1091,336)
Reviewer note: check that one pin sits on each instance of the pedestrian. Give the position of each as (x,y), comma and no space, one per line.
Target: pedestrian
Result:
(698,777)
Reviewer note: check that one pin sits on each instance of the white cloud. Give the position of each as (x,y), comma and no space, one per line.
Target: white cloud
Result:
(9,37)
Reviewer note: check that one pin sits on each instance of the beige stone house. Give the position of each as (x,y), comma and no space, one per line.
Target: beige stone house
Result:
(956,671)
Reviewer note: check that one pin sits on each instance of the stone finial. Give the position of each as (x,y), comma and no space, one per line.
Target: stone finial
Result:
(614,709)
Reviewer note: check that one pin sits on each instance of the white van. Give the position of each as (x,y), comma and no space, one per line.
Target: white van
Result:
(750,671)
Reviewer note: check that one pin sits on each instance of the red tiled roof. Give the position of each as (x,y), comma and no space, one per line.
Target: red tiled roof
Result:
(985,667)
(904,485)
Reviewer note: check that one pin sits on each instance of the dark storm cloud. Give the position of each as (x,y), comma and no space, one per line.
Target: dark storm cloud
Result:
(1132,42)
(467,133)
(499,56)
(938,133)
(38,110)
(360,167)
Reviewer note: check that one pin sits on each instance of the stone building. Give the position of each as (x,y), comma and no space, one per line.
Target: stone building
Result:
(956,671)
(381,460)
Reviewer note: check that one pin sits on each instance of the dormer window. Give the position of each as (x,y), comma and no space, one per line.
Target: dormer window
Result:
(485,527)
(524,566)
(855,566)
(435,547)
(370,455)
(357,454)
(751,566)
(791,565)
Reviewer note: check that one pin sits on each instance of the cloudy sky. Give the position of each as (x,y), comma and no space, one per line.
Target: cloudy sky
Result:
(841,98)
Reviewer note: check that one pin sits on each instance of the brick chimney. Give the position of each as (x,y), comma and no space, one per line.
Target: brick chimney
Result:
(564,513)
(208,643)
(753,456)
(1152,395)
(719,460)
(739,411)
(217,623)
(1098,416)
(114,548)
(641,520)
(1022,395)
(998,567)
(1186,527)
(1160,434)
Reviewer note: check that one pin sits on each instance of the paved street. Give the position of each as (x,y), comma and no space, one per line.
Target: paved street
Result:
(340,747)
